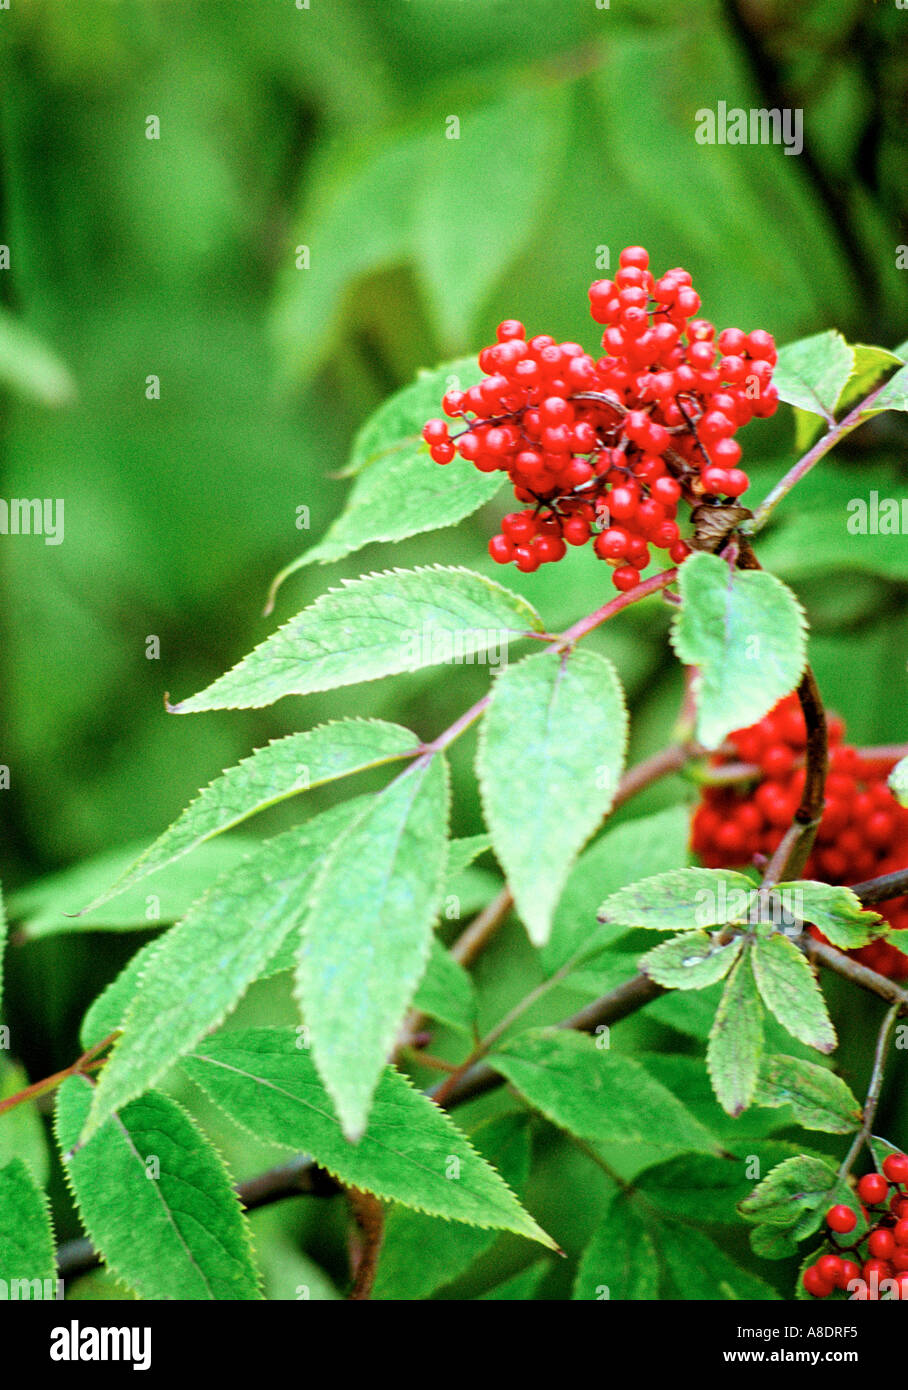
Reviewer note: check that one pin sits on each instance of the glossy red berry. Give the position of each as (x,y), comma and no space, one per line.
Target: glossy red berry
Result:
(841,1219)
(895,1168)
(873,1189)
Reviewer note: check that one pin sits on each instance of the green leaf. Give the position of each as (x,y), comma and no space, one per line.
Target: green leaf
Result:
(745,631)
(394,431)
(795,1187)
(462,852)
(898,782)
(411,1152)
(705,1189)
(21,1131)
(46,907)
(789,990)
(194,975)
(26,1236)
(379,625)
(521,1287)
(446,990)
(812,372)
(402,495)
(284,768)
(871,364)
(835,910)
(620,1261)
(700,1270)
(818,1098)
(31,369)
(156,1200)
(894,395)
(367,935)
(691,961)
(544,790)
(681,900)
(595,1094)
(736,1040)
(448,1249)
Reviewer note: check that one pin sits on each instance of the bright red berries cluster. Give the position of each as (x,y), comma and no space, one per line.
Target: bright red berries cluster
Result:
(607,449)
(863,833)
(882,1253)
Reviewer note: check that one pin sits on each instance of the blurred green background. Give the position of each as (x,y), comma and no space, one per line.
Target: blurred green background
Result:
(324,128)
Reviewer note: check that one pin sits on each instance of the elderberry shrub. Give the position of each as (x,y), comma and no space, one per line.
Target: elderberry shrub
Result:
(607,449)
(863,832)
(881,1254)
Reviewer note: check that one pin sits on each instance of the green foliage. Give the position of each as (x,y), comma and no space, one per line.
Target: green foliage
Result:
(789,990)
(539,785)
(285,768)
(26,1237)
(745,632)
(681,900)
(367,933)
(620,1261)
(597,1095)
(411,1151)
(736,1039)
(693,960)
(156,1199)
(818,1098)
(812,373)
(376,626)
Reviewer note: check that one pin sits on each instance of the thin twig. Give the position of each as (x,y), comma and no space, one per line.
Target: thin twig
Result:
(369,1216)
(874,1091)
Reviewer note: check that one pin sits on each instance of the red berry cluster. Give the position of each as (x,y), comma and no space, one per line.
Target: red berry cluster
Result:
(608,448)
(882,1253)
(863,833)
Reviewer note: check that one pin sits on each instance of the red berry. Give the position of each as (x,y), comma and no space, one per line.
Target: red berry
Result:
(881,1243)
(527,558)
(841,1219)
(896,1167)
(873,1188)
(501,550)
(815,1284)
(626,577)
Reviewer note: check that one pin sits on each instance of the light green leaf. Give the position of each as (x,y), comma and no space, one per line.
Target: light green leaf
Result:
(691,961)
(403,495)
(681,900)
(447,1249)
(379,625)
(395,429)
(736,1040)
(789,990)
(898,782)
(705,1189)
(46,907)
(812,372)
(894,395)
(835,910)
(818,1098)
(266,1081)
(462,852)
(367,935)
(21,1131)
(596,1094)
(446,990)
(620,1261)
(871,364)
(544,790)
(701,1270)
(194,975)
(794,1188)
(31,369)
(284,768)
(26,1236)
(156,1200)
(745,631)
